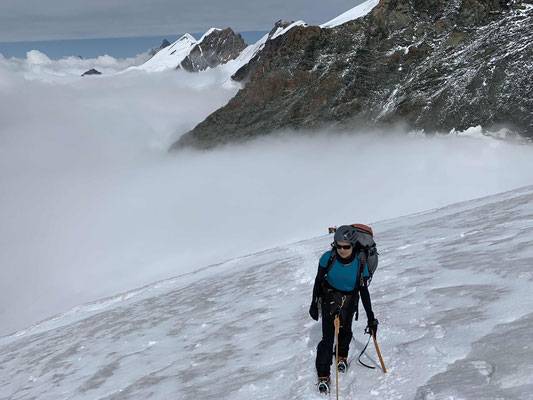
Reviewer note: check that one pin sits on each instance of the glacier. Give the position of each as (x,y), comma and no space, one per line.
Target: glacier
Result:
(452,293)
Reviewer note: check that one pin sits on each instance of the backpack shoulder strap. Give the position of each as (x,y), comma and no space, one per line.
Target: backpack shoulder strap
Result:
(331,260)
(358,283)
(361,261)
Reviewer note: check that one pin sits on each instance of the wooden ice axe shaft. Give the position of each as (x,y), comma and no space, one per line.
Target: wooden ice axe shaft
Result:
(379,354)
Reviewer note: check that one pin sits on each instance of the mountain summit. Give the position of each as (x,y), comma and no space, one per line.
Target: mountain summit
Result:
(432,65)
(215,47)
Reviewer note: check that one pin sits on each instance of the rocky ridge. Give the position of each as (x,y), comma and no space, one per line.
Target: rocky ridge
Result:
(432,65)
(243,73)
(215,48)
(92,71)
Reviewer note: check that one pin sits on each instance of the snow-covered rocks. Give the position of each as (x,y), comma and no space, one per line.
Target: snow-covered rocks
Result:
(395,62)
(214,48)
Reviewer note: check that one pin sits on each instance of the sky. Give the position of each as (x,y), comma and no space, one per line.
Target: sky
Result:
(92,204)
(92,48)
(36,20)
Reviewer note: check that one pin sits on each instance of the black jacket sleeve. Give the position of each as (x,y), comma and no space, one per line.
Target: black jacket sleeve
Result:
(365,299)
(318,283)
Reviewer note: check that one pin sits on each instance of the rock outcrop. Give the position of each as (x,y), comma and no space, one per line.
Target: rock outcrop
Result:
(92,71)
(433,65)
(215,48)
(243,73)
(152,52)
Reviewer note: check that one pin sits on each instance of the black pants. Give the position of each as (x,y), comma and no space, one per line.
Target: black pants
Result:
(335,303)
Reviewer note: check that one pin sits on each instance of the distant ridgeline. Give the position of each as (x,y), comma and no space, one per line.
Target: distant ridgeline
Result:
(432,65)
(92,48)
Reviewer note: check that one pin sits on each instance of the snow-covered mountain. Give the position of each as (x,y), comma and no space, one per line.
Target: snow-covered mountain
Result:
(452,293)
(429,65)
(171,57)
(215,47)
(153,51)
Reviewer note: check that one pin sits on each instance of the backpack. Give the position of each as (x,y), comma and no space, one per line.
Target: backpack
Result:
(367,253)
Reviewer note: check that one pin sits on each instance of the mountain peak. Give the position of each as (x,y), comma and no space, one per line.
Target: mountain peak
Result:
(186,37)
(430,65)
(209,33)
(279,25)
(216,47)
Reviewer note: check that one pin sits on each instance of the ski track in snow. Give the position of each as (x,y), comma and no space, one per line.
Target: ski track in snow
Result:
(452,294)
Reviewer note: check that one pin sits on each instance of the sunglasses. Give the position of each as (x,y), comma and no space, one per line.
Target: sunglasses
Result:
(344,247)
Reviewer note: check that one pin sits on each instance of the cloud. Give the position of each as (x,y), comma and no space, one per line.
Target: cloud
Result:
(39,66)
(92,203)
(35,57)
(68,147)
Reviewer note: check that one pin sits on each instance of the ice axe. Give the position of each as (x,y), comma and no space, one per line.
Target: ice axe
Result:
(337,324)
(379,353)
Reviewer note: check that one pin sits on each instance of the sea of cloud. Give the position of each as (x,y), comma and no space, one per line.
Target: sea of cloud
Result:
(92,204)
(37,65)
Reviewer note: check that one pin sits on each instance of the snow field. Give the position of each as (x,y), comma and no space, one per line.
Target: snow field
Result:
(455,322)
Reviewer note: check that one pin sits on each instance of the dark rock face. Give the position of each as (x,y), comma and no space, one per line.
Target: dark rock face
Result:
(155,50)
(219,47)
(430,64)
(91,72)
(244,73)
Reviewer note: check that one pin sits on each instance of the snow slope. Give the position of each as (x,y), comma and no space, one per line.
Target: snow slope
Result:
(283,31)
(357,12)
(229,68)
(170,57)
(452,294)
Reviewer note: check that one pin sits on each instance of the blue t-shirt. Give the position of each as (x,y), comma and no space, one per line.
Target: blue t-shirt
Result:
(340,276)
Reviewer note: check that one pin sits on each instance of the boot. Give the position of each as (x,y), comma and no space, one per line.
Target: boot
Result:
(323,384)
(342,364)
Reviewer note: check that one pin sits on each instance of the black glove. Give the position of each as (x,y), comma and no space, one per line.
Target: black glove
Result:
(313,311)
(372,327)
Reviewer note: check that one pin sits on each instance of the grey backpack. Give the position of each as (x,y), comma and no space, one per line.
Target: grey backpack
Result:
(367,252)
